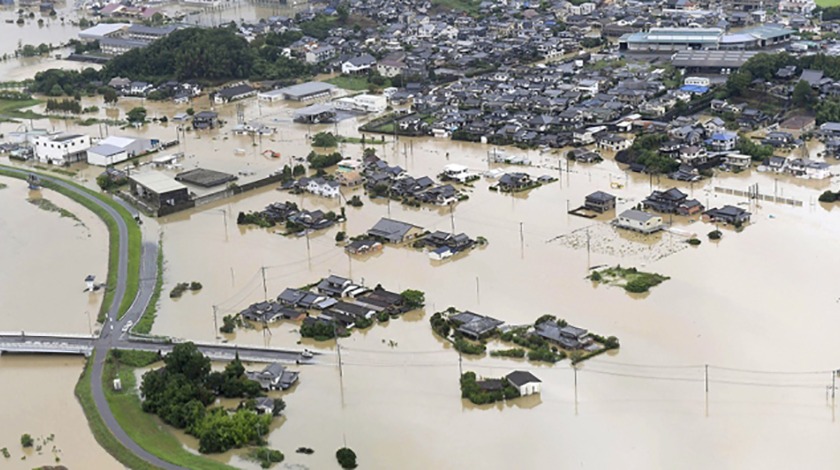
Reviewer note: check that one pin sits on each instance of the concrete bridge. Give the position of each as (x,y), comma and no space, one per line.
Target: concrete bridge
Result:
(48,343)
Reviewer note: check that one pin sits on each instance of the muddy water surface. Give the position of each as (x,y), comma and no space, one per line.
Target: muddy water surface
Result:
(763,299)
(46,258)
(37,397)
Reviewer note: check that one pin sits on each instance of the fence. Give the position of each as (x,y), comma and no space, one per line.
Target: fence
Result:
(758,196)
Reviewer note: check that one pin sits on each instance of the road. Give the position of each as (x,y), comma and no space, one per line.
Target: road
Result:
(109,336)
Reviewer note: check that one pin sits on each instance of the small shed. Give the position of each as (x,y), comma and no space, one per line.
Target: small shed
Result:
(524,381)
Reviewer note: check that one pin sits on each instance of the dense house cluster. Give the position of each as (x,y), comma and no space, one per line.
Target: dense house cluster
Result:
(385,180)
(334,301)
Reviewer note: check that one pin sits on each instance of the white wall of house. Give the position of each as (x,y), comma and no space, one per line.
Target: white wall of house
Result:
(48,150)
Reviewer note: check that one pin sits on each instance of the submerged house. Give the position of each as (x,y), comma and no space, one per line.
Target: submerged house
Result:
(394,231)
(274,376)
(475,326)
(728,215)
(639,221)
(599,201)
(567,337)
(672,201)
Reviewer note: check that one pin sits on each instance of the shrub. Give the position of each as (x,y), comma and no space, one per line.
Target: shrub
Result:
(595,276)
(340,236)
(195,285)
(355,201)
(543,354)
(467,347)
(346,458)
(26,440)
(515,352)
(829,196)
(715,235)
(693,241)
(440,325)
(637,285)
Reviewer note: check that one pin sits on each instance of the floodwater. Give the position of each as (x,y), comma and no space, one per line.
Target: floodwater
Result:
(45,259)
(763,299)
(37,397)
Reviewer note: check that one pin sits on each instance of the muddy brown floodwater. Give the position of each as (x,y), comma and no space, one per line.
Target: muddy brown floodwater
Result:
(758,302)
(37,397)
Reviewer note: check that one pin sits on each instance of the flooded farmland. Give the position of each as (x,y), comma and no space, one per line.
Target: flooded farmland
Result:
(757,302)
(37,396)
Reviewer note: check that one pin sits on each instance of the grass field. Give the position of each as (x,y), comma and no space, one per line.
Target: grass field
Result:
(11,109)
(828,3)
(468,6)
(359,83)
(144,428)
(134,243)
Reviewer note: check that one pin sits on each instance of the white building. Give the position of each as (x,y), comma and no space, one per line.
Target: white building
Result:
(358,64)
(61,149)
(112,150)
(323,187)
(363,103)
(639,221)
(697,81)
(525,382)
(458,173)
(737,161)
(320,54)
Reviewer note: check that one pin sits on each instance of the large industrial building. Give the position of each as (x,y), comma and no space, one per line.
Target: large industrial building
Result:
(112,150)
(677,39)
(711,62)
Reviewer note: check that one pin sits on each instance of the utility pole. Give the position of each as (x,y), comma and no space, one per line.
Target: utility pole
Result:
(215,323)
(452,217)
(588,250)
(707,379)
(90,324)
(477,291)
(521,234)
(460,364)
(338,351)
(265,288)
(833,384)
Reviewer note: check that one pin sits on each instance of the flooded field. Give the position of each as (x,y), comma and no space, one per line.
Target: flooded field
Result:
(37,396)
(764,299)
(46,256)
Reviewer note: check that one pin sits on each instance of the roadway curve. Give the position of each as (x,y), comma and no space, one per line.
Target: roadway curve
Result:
(109,335)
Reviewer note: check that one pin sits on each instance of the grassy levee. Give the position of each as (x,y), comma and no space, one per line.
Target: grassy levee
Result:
(134,240)
(97,426)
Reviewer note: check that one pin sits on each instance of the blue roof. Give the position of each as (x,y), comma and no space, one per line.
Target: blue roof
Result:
(694,88)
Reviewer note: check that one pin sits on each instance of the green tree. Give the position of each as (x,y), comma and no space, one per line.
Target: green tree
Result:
(413,298)
(137,115)
(324,139)
(110,95)
(803,95)
(26,440)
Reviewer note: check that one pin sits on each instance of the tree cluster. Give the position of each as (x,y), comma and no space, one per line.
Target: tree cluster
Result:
(67,106)
(471,390)
(180,392)
(319,161)
(757,152)
(324,139)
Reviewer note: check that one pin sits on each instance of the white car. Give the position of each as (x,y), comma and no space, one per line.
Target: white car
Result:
(127,326)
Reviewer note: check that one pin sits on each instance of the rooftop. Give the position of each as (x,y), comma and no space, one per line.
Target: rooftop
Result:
(157,182)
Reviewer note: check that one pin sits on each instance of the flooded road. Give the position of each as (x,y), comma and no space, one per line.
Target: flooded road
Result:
(37,397)
(764,299)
